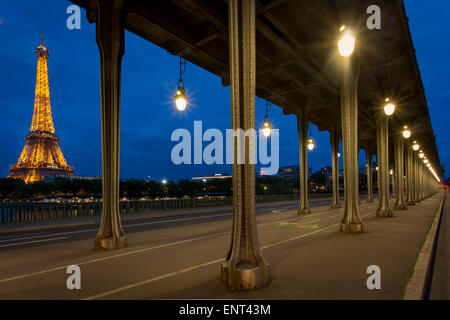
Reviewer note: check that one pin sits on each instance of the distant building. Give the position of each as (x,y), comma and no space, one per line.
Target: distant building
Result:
(54,176)
(86,178)
(327,171)
(292,173)
(214,177)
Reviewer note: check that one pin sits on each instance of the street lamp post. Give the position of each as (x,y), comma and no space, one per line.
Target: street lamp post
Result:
(409,169)
(244,267)
(334,141)
(369,156)
(400,203)
(348,79)
(302,128)
(416,161)
(384,207)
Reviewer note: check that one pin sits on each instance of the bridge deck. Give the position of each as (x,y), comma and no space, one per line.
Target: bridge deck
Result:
(309,257)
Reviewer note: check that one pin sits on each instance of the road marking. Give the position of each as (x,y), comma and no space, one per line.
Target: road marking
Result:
(335,215)
(178,272)
(10,237)
(125,225)
(112,257)
(26,238)
(28,242)
(125,253)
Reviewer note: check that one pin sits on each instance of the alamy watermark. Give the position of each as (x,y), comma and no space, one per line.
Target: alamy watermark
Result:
(189,150)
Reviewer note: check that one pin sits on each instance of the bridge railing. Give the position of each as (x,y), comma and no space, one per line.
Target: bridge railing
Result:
(30,212)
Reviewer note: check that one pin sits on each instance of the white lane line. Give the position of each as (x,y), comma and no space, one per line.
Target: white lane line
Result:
(168,275)
(113,256)
(28,242)
(10,237)
(26,238)
(122,254)
(335,215)
(124,226)
(175,220)
(178,272)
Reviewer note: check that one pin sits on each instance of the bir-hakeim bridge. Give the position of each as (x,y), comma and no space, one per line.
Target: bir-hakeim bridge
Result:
(317,59)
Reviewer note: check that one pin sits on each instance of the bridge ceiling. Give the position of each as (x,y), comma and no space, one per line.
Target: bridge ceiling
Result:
(297,56)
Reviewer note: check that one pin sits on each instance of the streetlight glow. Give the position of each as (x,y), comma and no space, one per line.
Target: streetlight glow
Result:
(389,108)
(267,129)
(346,44)
(421,155)
(180,99)
(415,146)
(311,144)
(406,132)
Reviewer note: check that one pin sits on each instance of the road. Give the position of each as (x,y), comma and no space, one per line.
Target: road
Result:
(180,257)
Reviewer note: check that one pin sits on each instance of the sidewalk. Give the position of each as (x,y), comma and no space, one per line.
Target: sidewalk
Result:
(440,285)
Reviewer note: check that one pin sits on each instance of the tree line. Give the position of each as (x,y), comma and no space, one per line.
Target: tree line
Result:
(17,189)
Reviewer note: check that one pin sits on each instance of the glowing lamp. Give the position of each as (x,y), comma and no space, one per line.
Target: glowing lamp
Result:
(406,132)
(389,109)
(346,44)
(267,129)
(311,144)
(180,99)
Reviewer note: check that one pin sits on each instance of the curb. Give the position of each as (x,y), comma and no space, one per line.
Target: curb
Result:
(417,285)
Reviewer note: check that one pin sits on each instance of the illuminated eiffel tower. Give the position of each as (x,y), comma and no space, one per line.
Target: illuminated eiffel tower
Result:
(41,155)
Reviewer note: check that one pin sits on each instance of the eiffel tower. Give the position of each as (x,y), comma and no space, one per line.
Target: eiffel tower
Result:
(41,155)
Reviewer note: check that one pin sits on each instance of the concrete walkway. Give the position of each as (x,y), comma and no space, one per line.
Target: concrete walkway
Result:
(440,284)
(309,258)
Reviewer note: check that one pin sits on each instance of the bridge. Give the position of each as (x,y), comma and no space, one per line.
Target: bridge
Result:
(316,59)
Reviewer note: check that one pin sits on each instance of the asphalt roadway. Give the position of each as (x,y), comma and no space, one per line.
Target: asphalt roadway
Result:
(179,258)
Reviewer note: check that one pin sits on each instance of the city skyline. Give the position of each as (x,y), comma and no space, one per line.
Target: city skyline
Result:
(149,80)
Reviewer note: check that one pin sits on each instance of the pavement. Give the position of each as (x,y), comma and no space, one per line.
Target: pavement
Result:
(179,257)
(440,284)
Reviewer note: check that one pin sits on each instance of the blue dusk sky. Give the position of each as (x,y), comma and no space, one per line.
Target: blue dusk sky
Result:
(149,79)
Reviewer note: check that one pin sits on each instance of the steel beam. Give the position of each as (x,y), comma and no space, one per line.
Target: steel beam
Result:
(400,203)
(348,78)
(384,207)
(244,268)
(369,156)
(110,40)
(409,176)
(302,128)
(334,141)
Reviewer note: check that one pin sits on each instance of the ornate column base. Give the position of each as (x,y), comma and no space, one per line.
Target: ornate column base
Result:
(110,243)
(336,206)
(352,227)
(401,206)
(245,276)
(304,211)
(385,213)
